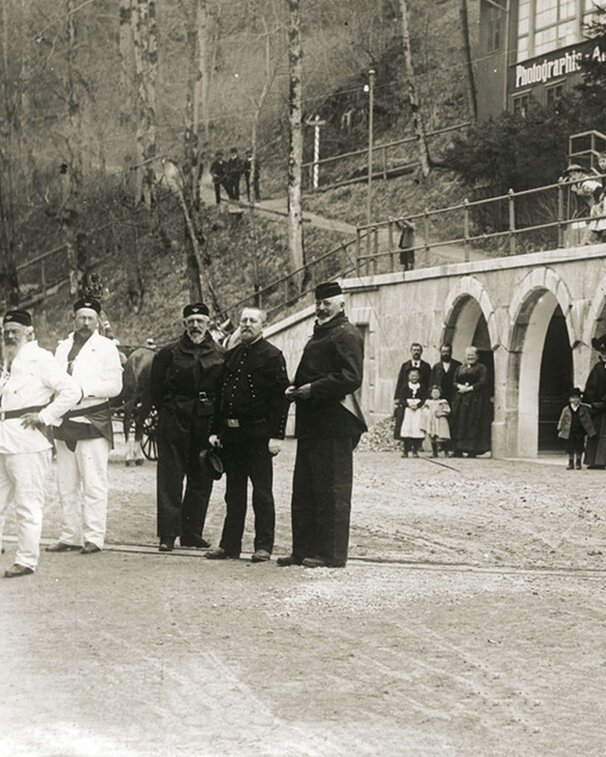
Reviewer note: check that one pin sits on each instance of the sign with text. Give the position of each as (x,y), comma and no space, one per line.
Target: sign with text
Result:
(554,65)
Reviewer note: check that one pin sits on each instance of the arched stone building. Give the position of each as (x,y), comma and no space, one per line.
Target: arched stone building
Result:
(531,316)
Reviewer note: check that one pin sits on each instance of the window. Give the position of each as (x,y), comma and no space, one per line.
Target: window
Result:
(520,104)
(554,93)
(545,25)
(494,21)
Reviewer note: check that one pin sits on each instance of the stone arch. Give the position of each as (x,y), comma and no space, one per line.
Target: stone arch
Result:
(595,323)
(466,302)
(540,295)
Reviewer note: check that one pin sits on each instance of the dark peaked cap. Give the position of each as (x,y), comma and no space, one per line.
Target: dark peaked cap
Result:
(88,302)
(196,308)
(328,289)
(17,316)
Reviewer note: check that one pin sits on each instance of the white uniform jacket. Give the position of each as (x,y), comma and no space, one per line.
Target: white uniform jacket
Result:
(96,369)
(35,378)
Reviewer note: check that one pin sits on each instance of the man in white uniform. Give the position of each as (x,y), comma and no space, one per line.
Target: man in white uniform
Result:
(30,378)
(85,437)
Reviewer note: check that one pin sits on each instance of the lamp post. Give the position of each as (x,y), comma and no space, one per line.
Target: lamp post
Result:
(370,88)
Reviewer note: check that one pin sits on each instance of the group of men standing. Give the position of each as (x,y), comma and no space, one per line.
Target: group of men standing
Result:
(227,173)
(233,402)
(62,398)
(237,403)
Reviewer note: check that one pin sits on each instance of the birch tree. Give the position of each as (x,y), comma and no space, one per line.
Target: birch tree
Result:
(295,149)
(417,118)
(472,97)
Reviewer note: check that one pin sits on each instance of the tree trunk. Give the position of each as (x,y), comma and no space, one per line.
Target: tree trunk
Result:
(417,118)
(145,50)
(71,170)
(125,52)
(295,152)
(8,268)
(472,96)
(201,92)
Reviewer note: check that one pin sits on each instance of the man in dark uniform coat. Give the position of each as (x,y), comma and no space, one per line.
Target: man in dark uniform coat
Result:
(595,395)
(443,373)
(416,350)
(184,380)
(249,173)
(249,422)
(233,170)
(328,427)
(217,171)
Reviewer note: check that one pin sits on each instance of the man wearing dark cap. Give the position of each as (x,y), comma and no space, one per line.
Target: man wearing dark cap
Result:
(328,426)
(36,393)
(184,382)
(233,172)
(595,396)
(85,437)
(249,422)
(217,172)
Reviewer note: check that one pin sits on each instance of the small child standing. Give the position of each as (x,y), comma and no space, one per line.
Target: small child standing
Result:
(412,400)
(575,423)
(435,421)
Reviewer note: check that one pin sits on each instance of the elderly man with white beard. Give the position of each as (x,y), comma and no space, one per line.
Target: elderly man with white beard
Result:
(36,393)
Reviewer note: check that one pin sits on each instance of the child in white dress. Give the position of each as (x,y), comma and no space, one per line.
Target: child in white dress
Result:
(435,421)
(412,399)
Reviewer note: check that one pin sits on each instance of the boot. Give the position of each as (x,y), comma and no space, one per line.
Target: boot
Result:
(434,449)
(570,465)
(579,465)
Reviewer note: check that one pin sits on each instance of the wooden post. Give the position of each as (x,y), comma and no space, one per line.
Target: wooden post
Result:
(466,228)
(426,232)
(384,152)
(512,221)
(561,226)
(392,261)
(375,245)
(358,250)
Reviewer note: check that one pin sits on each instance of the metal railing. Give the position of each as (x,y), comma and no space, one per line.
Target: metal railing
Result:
(385,168)
(377,250)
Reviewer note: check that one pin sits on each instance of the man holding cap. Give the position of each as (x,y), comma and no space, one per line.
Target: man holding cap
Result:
(328,425)
(184,381)
(85,437)
(249,422)
(31,378)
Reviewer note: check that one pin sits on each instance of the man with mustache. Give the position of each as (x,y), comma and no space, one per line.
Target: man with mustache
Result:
(36,393)
(328,426)
(443,373)
(249,422)
(85,437)
(184,382)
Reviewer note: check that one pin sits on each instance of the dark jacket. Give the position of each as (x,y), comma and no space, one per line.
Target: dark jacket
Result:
(234,168)
(424,370)
(565,422)
(251,392)
(332,362)
(184,376)
(445,380)
(218,169)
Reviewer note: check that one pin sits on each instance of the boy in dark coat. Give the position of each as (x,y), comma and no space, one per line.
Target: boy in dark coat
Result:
(574,425)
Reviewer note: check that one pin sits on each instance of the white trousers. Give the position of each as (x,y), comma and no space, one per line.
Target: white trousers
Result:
(82,484)
(22,483)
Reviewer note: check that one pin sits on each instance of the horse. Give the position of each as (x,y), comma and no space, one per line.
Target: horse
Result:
(136,396)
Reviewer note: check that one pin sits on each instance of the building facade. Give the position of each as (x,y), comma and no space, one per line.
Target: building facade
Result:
(531,48)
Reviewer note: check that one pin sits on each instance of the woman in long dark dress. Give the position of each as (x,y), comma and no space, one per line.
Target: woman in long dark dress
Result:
(471,410)
(595,396)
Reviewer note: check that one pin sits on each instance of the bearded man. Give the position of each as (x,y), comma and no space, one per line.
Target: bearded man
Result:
(184,381)
(36,393)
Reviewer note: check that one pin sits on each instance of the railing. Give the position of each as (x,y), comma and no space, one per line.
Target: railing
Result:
(385,168)
(377,250)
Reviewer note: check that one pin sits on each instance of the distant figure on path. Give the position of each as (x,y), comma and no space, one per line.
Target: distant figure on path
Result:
(573,426)
(233,170)
(252,177)
(218,173)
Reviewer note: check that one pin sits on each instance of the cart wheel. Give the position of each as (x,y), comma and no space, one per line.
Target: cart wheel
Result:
(149,445)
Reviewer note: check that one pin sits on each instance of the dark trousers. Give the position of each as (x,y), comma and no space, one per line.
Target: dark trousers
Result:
(249,460)
(232,186)
(321,499)
(180,442)
(575,445)
(217,185)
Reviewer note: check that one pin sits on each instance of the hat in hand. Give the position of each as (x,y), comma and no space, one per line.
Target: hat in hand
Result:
(211,461)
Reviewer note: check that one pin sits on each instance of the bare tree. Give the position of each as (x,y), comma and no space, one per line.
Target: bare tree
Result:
(417,118)
(145,50)
(472,96)
(295,150)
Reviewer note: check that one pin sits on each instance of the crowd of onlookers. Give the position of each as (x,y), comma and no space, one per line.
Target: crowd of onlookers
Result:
(588,184)
(228,172)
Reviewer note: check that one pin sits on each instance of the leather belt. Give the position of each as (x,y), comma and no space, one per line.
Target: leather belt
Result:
(80,412)
(237,423)
(7,415)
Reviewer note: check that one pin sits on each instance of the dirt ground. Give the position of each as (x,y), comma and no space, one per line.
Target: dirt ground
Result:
(470,621)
